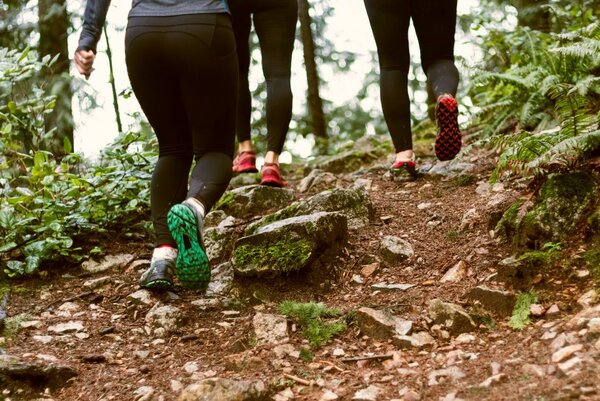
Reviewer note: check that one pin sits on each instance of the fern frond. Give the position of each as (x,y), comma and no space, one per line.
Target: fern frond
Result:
(567,152)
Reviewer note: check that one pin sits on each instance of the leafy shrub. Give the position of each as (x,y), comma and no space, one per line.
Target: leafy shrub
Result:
(540,110)
(47,204)
(520,316)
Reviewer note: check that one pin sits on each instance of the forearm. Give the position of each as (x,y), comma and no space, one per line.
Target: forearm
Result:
(93,21)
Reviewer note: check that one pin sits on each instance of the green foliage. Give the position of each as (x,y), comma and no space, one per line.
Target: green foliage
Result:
(312,318)
(549,253)
(306,354)
(520,316)
(539,107)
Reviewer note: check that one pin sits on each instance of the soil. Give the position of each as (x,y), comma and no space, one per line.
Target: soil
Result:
(219,339)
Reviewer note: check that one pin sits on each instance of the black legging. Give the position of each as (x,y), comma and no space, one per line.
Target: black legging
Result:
(435,24)
(275,24)
(183,71)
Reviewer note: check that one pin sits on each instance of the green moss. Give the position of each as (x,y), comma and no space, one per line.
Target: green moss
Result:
(284,255)
(592,260)
(520,315)
(464,180)
(593,221)
(12,325)
(508,223)
(548,254)
(226,199)
(311,318)
(306,354)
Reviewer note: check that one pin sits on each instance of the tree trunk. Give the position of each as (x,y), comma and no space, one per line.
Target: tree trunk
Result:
(53,24)
(315,103)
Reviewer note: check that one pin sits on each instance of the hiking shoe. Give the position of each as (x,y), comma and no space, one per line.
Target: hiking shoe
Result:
(404,170)
(159,275)
(271,176)
(245,162)
(448,141)
(191,266)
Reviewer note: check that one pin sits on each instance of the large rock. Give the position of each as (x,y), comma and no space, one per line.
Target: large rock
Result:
(496,301)
(221,280)
(40,374)
(354,204)
(289,245)
(560,207)
(107,263)
(451,316)
(217,389)
(219,242)
(254,200)
(380,325)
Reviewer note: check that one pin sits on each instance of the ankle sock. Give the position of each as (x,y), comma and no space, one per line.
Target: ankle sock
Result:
(195,205)
(164,252)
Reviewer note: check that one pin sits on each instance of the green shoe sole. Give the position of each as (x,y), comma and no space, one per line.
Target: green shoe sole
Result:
(158,284)
(191,267)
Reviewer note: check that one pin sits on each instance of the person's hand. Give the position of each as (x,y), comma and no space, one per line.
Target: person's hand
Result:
(84,59)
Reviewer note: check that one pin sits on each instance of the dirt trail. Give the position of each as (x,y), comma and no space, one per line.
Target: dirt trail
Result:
(446,221)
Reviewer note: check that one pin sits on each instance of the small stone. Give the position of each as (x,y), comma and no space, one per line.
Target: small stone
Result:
(549,335)
(70,307)
(566,352)
(533,370)
(328,395)
(176,386)
(43,339)
(283,350)
(392,287)
(588,299)
(141,354)
(144,369)
(284,395)
(537,310)
(108,263)
(569,365)
(490,381)
(465,338)
(97,282)
(469,219)
(357,279)
(339,352)
(65,328)
(270,329)
(452,372)
(424,205)
(456,273)
(594,326)
(31,324)
(141,297)
(368,270)
(143,393)
(409,395)
(394,250)
(367,394)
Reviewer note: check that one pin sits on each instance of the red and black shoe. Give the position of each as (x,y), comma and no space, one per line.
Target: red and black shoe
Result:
(245,162)
(271,176)
(448,141)
(404,170)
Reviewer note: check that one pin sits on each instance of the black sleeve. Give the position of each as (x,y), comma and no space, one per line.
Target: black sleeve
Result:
(93,21)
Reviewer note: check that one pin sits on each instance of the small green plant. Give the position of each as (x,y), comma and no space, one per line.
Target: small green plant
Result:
(453,235)
(312,318)
(12,325)
(306,354)
(520,315)
(464,180)
(592,260)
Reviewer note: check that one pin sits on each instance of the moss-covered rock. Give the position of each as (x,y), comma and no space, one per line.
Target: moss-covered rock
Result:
(219,242)
(562,204)
(289,245)
(355,204)
(254,200)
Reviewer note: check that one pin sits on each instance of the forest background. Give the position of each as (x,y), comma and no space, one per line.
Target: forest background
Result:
(530,90)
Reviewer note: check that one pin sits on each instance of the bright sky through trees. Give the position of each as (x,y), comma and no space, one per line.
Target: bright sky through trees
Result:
(348,28)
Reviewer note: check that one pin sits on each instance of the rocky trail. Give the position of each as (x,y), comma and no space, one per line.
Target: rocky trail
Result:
(425,275)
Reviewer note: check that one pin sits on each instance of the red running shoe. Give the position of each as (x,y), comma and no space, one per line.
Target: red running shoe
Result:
(245,162)
(448,141)
(271,176)
(404,170)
